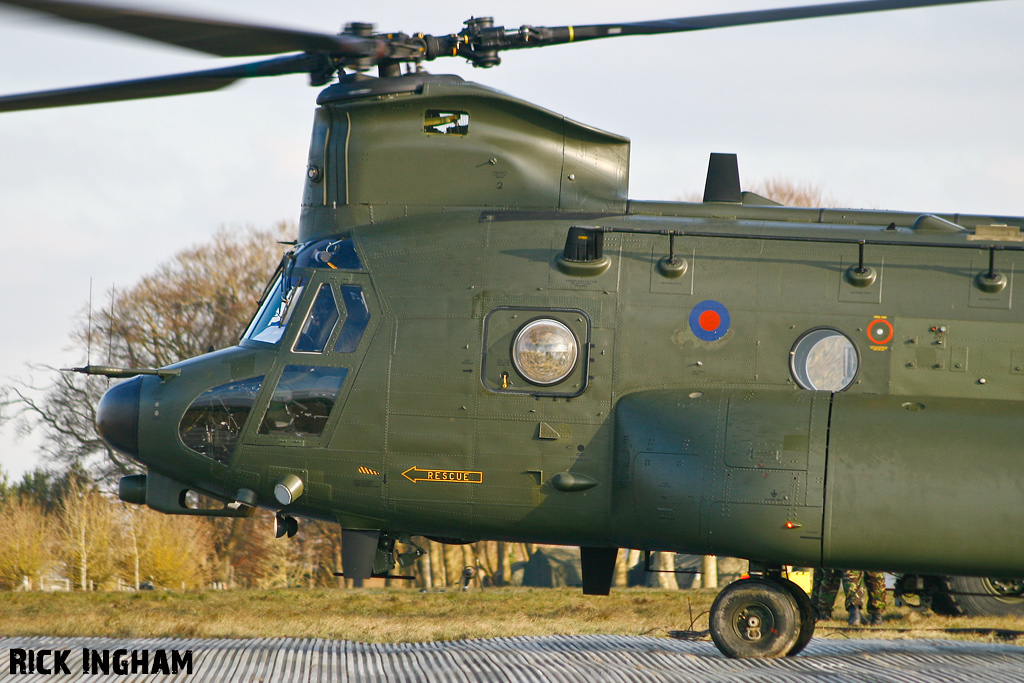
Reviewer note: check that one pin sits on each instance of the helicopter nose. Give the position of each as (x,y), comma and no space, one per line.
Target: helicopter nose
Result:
(117,417)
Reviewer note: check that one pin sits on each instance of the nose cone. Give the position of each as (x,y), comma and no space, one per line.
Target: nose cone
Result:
(117,417)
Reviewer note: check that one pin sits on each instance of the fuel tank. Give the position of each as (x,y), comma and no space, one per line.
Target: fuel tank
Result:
(947,474)
(724,472)
(817,478)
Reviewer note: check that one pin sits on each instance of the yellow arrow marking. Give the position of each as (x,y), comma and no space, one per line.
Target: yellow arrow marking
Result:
(415,474)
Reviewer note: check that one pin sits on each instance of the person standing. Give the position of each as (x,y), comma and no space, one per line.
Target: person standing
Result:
(854,582)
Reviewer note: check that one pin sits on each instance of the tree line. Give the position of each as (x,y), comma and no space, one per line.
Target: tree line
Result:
(65,532)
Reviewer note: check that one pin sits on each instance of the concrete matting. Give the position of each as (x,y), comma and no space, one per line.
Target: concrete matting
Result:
(616,659)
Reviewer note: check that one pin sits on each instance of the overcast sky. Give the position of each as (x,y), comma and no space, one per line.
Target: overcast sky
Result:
(916,110)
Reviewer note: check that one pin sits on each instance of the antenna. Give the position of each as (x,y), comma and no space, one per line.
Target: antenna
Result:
(106,370)
(88,331)
(110,323)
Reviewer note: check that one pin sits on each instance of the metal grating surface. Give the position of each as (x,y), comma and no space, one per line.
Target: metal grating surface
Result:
(559,659)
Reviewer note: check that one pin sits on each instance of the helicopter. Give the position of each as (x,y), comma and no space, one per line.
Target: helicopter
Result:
(508,347)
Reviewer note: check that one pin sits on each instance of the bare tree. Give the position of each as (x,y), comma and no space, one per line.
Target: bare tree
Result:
(174,552)
(260,560)
(27,545)
(792,193)
(89,536)
(199,300)
(66,411)
(784,191)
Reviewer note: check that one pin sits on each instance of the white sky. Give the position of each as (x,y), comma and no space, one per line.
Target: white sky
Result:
(913,110)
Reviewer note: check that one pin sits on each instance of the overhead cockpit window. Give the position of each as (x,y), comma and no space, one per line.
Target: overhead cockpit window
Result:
(303,400)
(824,359)
(271,320)
(212,424)
(336,254)
(320,322)
(357,317)
(446,122)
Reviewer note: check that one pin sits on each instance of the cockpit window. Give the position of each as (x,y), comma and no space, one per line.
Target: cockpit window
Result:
(320,322)
(357,317)
(269,324)
(336,254)
(303,400)
(212,424)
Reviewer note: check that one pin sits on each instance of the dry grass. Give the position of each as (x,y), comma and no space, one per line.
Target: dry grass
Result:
(903,623)
(397,615)
(373,615)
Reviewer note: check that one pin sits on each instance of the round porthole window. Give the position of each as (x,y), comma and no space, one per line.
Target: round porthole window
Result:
(544,351)
(824,359)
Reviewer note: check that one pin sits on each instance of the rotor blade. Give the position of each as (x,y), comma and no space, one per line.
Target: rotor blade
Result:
(160,86)
(222,38)
(568,34)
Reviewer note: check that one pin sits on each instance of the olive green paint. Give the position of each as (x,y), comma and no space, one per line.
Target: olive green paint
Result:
(657,439)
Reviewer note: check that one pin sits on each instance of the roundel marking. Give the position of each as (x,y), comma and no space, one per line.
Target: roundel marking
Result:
(880,331)
(709,320)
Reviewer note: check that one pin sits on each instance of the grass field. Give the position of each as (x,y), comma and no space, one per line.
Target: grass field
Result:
(402,615)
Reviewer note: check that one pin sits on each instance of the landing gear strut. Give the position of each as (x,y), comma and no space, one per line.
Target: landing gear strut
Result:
(766,616)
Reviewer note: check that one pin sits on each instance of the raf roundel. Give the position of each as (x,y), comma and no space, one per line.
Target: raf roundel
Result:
(880,331)
(709,320)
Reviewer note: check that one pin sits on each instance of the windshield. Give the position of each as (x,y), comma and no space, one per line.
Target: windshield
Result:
(271,320)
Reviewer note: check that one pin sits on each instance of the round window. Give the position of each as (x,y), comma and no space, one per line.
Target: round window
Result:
(824,359)
(544,351)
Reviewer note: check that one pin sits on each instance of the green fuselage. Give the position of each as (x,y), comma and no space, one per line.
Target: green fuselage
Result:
(698,415)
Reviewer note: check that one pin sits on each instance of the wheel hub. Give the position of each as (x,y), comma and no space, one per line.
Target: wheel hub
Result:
(1006,588)
(752,620)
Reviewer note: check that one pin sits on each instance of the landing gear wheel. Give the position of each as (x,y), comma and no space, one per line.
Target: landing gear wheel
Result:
(755,618)
(978,596)
(807,615)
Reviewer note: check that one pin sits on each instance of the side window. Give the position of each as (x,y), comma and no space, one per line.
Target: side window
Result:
(445,122)
(320,322)
(536,351)
(357,317)
(824,359)
(303,400)
(212,424)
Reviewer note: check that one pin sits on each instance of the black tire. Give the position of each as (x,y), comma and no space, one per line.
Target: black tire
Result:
(942,603)
(808,615)
(978,596)
(755,618)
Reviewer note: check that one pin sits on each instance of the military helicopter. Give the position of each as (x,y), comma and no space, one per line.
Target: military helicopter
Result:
(508,347)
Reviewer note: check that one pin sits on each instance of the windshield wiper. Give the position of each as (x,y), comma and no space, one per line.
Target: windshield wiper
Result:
(287,288)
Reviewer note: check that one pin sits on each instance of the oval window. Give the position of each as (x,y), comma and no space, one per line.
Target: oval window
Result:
(824,359)
(544,351)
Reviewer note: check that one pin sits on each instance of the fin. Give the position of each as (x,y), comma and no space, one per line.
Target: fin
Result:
(929,223)
(755,199)
(598,569)
(723,182)
(546,431)
(358,550)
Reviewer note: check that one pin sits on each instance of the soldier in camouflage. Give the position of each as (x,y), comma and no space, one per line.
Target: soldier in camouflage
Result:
(826,585)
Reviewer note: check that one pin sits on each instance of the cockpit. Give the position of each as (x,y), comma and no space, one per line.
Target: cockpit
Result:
(331,313)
